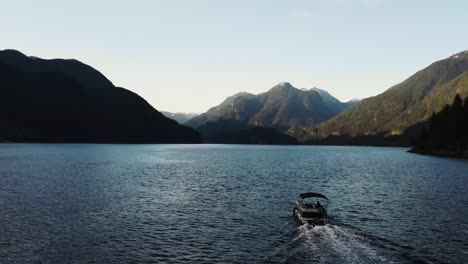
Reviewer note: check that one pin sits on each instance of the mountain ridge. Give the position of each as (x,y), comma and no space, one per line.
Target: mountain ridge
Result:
(404,104)
(281,107)
(77,70)
(41,102)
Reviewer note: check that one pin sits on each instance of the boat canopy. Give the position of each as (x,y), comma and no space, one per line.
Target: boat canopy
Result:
(311,194)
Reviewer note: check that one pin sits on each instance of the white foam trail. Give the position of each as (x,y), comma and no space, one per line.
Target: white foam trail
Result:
(333,242)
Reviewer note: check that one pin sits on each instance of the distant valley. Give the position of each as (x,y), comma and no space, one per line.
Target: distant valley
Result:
(179,117)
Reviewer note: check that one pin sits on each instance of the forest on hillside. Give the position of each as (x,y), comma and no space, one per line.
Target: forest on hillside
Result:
(446,132)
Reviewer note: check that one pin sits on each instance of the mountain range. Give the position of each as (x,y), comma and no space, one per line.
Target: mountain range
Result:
(68,101)
(314,116)
(284,108)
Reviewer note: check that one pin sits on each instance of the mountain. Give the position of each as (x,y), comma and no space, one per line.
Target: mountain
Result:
(405,104)
(68,101)
(282,107)
(84,74)
(179,117)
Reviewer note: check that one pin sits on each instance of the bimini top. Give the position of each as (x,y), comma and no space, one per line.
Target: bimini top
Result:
(311,194)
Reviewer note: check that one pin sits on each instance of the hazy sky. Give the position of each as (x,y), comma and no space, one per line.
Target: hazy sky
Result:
(183,55)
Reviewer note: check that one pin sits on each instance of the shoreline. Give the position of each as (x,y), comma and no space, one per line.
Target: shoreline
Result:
(440,153)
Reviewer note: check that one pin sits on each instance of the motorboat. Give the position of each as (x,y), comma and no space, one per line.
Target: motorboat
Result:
(311,208)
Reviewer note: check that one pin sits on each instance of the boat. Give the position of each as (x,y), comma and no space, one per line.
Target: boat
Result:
(311,208)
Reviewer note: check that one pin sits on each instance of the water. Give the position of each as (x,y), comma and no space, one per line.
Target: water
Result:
(228,204)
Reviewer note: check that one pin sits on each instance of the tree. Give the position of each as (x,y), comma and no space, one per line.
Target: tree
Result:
(447,130)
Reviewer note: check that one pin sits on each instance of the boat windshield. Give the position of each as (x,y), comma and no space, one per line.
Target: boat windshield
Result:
(314,202)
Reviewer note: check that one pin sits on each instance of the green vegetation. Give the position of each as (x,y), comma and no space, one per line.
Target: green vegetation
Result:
(446,133)
(405,104)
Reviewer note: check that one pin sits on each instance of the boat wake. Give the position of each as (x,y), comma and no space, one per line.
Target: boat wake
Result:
(328,244)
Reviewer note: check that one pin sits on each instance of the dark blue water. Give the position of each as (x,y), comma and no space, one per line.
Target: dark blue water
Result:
(228,204)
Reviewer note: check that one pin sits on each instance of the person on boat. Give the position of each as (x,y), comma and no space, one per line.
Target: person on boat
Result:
(319,207)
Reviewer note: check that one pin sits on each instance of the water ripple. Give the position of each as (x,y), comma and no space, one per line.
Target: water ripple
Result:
(228,204)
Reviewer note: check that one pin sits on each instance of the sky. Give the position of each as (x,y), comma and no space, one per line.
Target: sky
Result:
(189,55)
